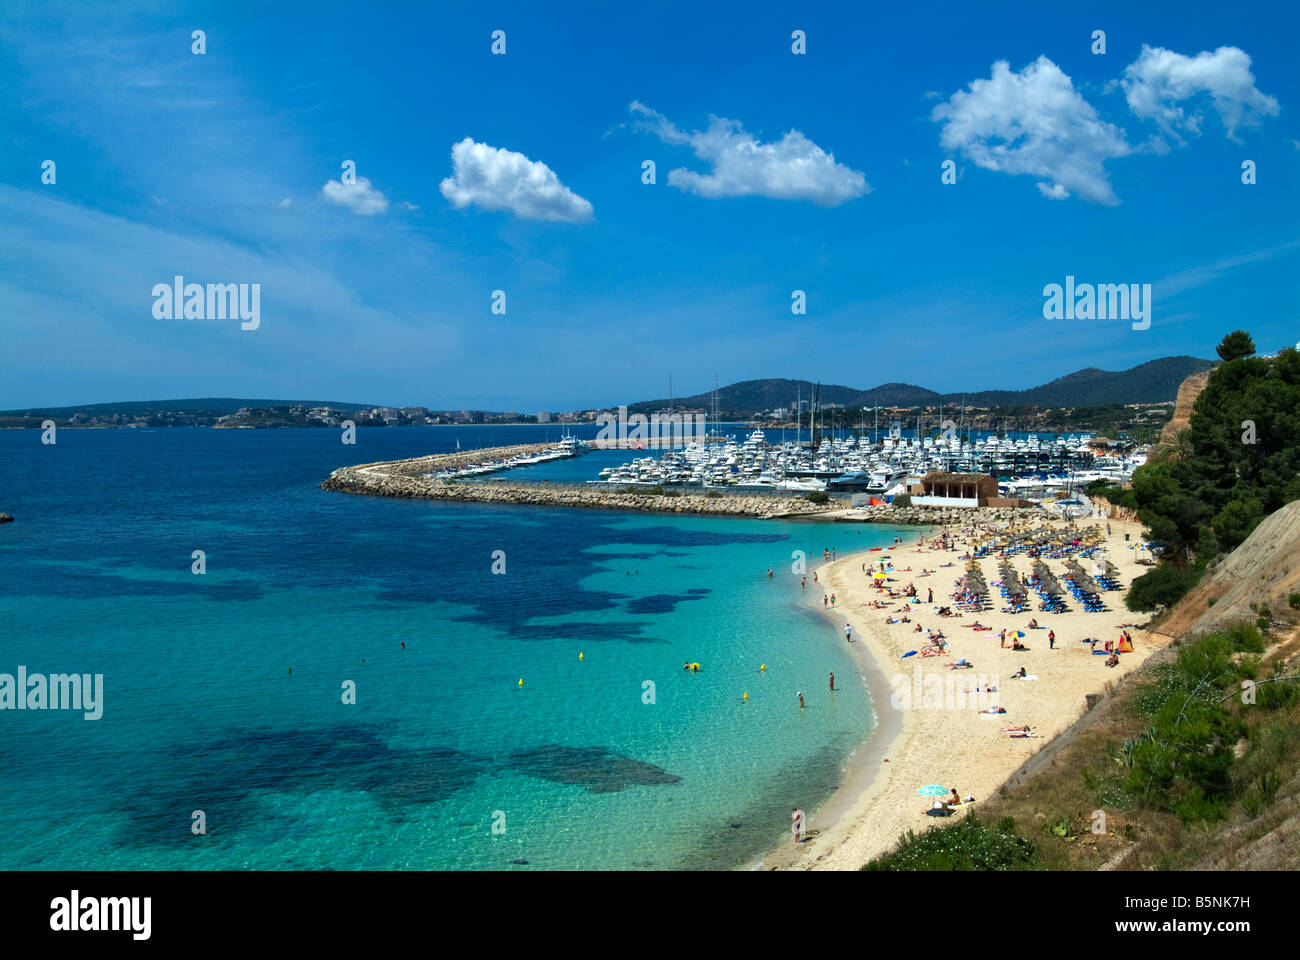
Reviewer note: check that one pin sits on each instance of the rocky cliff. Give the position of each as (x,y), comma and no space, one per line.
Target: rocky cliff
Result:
(1188,391)
(1262,572)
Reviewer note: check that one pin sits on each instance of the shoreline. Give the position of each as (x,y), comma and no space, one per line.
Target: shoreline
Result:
(863,773)
(875,802)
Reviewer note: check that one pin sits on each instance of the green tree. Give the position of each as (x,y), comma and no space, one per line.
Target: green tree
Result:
(1236,345)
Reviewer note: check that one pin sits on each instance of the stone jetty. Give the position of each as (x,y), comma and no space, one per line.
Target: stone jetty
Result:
(409,479)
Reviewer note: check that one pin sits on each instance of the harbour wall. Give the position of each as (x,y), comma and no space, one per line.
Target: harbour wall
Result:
(406,479)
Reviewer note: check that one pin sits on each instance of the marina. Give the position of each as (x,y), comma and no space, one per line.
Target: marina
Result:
(1029,467)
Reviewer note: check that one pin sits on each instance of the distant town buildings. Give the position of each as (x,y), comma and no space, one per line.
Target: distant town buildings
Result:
(544,416)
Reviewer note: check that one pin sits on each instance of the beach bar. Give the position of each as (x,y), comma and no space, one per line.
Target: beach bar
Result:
(940,489)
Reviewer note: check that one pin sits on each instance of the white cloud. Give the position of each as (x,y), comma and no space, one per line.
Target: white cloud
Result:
(498,179)
(359,196)
(1033,122)
(792,168)
(1158,79)
(284,204)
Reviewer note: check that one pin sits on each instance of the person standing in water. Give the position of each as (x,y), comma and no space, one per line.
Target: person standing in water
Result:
(832,682)
(803,583)
(800,699)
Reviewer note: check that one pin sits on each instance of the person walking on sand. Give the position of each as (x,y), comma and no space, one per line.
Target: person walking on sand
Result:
(796,825)
(832,599)
(930,598)
(848,635)
(1051,639)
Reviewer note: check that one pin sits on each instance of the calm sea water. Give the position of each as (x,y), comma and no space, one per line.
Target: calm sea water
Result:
(224,691)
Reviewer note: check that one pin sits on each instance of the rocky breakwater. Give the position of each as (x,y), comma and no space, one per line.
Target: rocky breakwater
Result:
(944,516)
(406,478)
(418,466)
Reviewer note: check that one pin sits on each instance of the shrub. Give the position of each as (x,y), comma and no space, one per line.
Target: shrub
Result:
(903,500)
(1162,587)
(968,845)
(1294,600)
(818,496)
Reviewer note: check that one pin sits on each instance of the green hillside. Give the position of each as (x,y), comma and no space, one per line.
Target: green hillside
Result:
(1153,382)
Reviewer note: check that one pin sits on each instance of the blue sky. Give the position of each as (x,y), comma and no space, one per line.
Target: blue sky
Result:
(226,168)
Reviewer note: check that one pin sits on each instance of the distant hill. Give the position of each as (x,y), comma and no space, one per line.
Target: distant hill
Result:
(1156,381)
(205,406)
(753,396)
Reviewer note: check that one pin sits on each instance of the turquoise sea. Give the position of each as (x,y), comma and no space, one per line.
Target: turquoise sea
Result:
(224,692)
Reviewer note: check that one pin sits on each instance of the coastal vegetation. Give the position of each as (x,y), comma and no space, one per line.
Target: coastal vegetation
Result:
(1237,462)
(969,845)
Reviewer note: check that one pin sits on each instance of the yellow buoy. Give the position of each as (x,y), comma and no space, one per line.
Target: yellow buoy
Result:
(747,697)
(521,681)
(763,667)
(579,654)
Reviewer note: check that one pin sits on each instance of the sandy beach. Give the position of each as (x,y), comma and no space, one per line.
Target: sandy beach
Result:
(930,729)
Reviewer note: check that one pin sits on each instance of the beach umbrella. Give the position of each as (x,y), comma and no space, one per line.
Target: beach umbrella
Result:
(1017,633)
(879,576)
(933,790)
